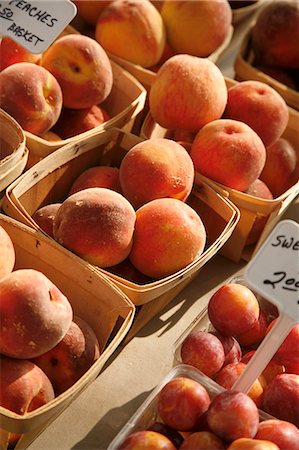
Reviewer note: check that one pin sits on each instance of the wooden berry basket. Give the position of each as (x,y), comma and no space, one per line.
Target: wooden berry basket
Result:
(250,207)
(245,70)
(93,297)
(50,180)
(13,150)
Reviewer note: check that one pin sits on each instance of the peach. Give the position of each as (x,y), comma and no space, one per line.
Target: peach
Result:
(65,363)
(82,68)
(275,34)
(255,334)
(252,444)
(233,309)
(284,434)
(24,387)
(35,315)
(231,347)
(229,152)
(281,159)
(187,93)
(258,189)
(165,228)
(90,10)
(181,402)
(292,367)
(196,28)
(229,374)
(261,107)
(97,176)
(76,121)
(233,415)
(31,95)
(173,435)
(50,136)
(147,440)
(7,253)
(156,168)
(288,352)
(11,53)
(96,224)
(204,351)
(281,398)
(202,440)
(44,217)
(133,31)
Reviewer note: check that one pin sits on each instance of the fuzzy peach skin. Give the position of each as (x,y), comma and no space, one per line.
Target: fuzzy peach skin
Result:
(65,363)
(72,122)
(82,68)
(196,27)
(187,93)
(229,152)
(11,52)
(97,176)
(282,433)
(7,254)
(31,95)
(252,444)
(166,227)
(90,10)
(35,315)
(281,160)
(260,106)
(44,217)
(202,440)
(133,31)
(96,224)
(255,334)
(156,168)
(147,439)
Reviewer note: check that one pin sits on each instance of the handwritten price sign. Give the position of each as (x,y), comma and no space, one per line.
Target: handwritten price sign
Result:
(35,24)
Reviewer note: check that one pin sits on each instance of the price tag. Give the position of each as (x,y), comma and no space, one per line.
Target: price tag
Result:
(35,24)
(274,270)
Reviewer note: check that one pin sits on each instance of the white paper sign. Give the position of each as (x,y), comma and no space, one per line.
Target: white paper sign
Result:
(274,270)
(35,24)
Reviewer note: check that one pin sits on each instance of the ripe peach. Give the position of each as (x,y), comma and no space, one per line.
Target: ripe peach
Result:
(97,176)
(233,309)
(292,367)
(133,31)
(230,373)
(288,352)
(96,224)
(196,28)
(281,398)
(187,93)
(156,168)
(173,435)
(231,347)
(76,121)
(31,95)
(202,440)
(252,444)
(65,363)
(233,415)
(24,387)
(258,189)
(7,254)
(204,351)
(275,34)
(35,315)
(147,440)
(82,68)
(281,159)
(229,152)
(271,370)
(284,434)
(256,333)
(11,53)
(90,10)
(261,107)
(44,217)
(165,228)
(181,402)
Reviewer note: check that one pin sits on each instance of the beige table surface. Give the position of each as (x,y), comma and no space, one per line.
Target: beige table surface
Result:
(96,416)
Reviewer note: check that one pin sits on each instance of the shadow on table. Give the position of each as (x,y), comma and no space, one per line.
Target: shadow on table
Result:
(109,426)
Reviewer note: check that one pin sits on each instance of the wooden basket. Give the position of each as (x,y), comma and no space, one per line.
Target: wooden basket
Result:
(250,207)
(244,70)
(50,181)
(107,310)
(13,151)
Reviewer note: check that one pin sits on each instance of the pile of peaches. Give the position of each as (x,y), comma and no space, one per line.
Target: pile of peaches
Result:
(59,93)
(44,347)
